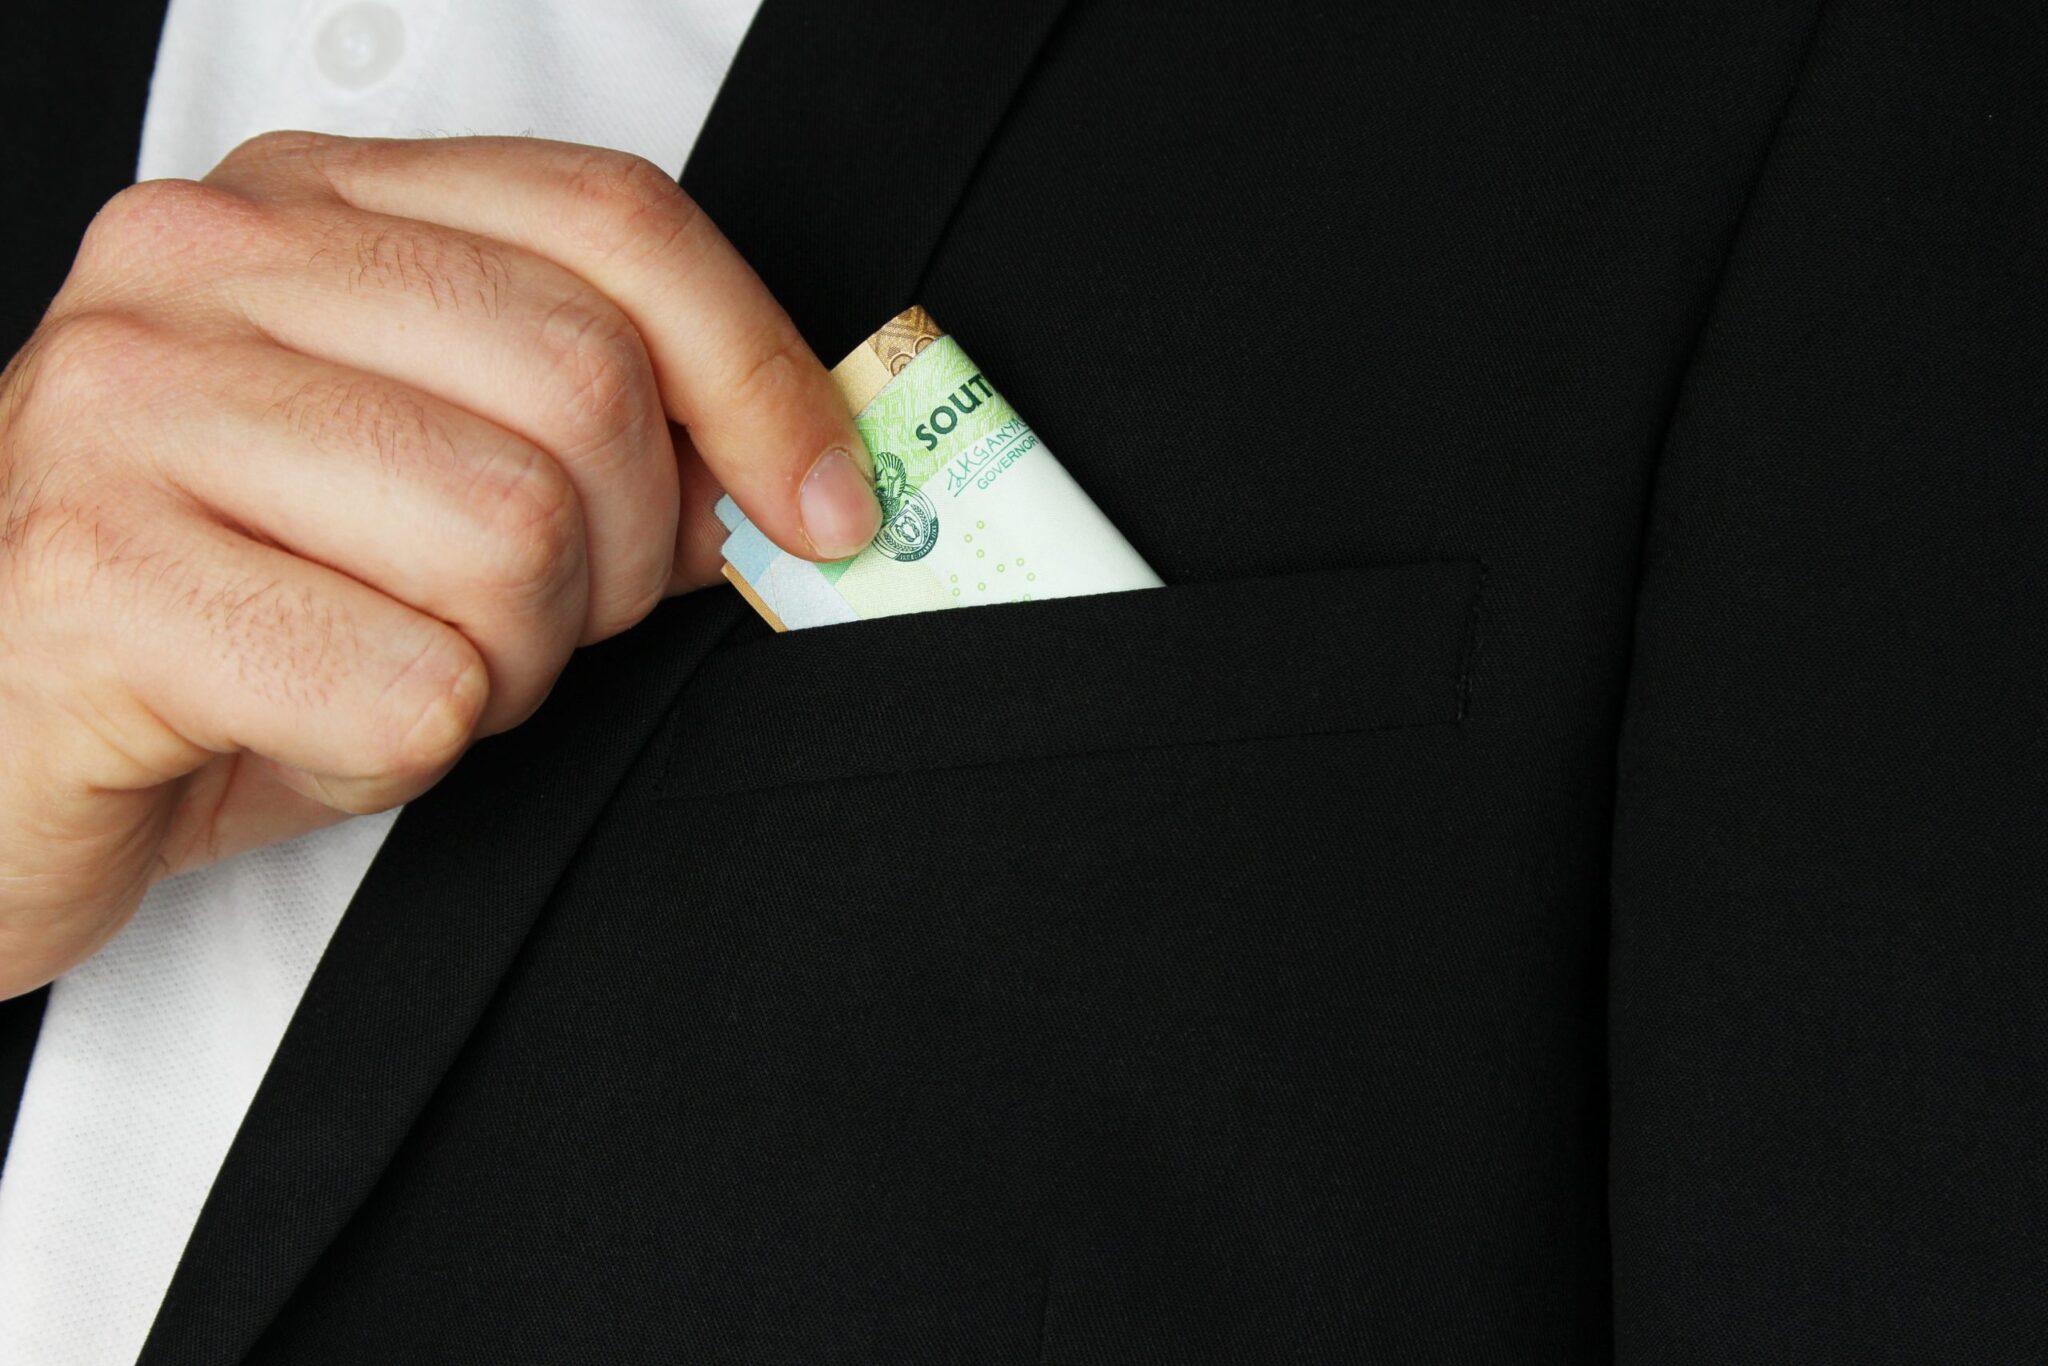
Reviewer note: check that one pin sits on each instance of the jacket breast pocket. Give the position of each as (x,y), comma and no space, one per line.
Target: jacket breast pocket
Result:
(1019,949)
(1330,652)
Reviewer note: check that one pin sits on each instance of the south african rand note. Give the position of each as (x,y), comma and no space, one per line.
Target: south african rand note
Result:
(975,509)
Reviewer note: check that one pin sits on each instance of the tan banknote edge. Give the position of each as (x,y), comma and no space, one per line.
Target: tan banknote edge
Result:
(732,576)
(869,367)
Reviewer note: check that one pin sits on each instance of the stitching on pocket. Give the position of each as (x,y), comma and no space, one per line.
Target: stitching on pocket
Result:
(1470,638)
(1019,760)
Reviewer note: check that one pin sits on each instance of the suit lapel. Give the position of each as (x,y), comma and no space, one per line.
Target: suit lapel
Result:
(434,925)
(834,157)
(844,139)
(21,1022)
(74,80)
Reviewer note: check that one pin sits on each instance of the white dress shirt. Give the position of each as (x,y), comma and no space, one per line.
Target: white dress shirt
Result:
(151,1050)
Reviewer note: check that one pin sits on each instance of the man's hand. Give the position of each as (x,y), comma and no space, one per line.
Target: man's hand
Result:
(319,468)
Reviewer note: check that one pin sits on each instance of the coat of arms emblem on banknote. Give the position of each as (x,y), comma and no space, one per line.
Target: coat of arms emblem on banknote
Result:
(910,524)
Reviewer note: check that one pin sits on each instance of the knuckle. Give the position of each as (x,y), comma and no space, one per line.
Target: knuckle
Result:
(772,369)
(278,144)
(457,272)
(150,206)
(434,704)
(601,379)
(155,221)
(362,414)
(63,517)
(626,205)
(531,524)
(78,361)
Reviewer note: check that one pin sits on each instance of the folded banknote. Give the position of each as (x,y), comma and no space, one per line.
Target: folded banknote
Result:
(975,509)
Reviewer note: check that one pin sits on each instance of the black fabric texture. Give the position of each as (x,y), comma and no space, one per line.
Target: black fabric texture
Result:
(1830,1038)
(21,1021)
(1555,876)
(1304,654)
(75,78)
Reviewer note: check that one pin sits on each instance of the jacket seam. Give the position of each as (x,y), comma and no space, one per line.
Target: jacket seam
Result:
(1739,227)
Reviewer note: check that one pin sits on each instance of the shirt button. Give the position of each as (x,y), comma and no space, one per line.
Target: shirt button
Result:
(359,45)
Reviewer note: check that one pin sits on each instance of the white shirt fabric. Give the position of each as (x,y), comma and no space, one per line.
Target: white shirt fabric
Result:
(151,1051)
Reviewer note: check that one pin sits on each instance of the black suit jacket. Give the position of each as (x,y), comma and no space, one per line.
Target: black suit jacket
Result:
(1558,875)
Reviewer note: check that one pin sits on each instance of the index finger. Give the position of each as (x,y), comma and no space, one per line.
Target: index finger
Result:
(731,366)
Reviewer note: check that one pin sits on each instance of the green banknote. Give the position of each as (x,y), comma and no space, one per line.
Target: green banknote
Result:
(975,509)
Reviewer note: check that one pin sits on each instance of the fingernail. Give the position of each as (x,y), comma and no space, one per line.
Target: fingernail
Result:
(838,506)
